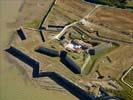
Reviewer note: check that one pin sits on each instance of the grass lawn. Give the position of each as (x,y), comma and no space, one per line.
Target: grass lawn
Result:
(78,58)
(94,58)
(34,24)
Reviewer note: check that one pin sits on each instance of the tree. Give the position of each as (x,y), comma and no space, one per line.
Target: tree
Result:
(118,3)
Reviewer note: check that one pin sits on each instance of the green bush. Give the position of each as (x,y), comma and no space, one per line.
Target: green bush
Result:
(117,3)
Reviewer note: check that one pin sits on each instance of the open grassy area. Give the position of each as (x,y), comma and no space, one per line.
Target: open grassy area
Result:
(114,19)
(78,58)
(121,59)
(94,58)
(33,12)
(34,24)
(54,44)
(67,11)
(74,33)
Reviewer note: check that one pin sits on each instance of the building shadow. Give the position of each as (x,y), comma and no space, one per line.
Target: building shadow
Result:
(69,63)
(48,52)
(56,26)
(46,15)
(71,87)
(75,90)
(26,59)
(42,36)
(21,34)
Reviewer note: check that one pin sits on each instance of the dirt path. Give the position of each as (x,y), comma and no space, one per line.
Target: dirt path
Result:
(72,24)
(122,79)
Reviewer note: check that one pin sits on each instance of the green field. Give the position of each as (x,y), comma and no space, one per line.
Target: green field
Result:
(94,58)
